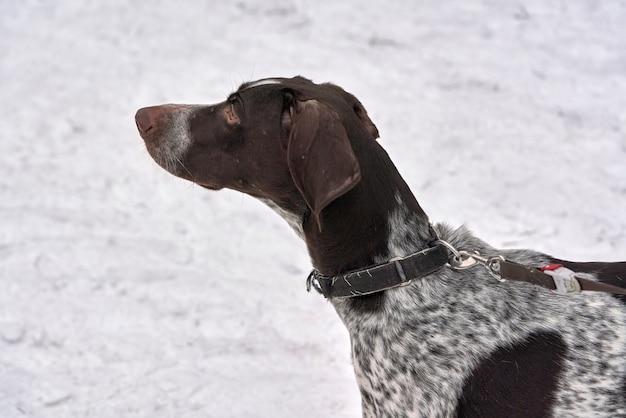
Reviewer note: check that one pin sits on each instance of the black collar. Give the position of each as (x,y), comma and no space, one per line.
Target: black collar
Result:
(399,271)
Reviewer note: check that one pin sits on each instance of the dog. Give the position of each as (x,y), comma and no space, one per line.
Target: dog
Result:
(436,328)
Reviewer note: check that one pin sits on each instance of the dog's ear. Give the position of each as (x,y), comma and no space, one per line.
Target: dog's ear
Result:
(320,158)
(358,109)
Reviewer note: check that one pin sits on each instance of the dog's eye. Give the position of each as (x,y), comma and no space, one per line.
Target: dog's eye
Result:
(233,102)
(233,99)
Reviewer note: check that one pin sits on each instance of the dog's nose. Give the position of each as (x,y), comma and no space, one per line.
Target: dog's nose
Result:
(145,119)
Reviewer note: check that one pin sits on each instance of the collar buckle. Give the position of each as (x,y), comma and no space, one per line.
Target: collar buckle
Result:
(313,282)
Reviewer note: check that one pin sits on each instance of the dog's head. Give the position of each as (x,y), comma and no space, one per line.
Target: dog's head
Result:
(287,140)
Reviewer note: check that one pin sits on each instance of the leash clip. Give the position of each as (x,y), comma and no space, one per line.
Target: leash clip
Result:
(492,264)
(461,260)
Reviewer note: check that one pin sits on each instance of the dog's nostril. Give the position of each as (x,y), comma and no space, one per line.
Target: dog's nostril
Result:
(144,121)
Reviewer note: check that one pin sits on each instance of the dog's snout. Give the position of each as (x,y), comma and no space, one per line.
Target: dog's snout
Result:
(145,120)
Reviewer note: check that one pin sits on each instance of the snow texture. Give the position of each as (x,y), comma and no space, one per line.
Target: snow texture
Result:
(126,292)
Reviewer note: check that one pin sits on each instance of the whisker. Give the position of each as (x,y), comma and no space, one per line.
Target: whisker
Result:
(180,162)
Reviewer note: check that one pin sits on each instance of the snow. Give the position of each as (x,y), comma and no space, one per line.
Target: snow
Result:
(126,292)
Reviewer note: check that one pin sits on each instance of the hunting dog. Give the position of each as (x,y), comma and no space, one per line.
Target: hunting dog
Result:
(435,329)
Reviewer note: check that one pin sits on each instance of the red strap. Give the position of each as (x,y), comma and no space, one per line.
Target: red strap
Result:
(551,267)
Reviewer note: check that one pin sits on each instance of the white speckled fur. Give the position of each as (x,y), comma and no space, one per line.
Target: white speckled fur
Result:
(460,313)
(448,304)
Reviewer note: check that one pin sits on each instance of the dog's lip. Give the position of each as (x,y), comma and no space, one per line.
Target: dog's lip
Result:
(209,186)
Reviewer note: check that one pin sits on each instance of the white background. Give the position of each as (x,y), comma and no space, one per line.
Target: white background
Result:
(126,292)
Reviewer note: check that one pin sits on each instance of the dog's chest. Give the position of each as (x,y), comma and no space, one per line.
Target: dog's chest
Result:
(411,363)
(392,384)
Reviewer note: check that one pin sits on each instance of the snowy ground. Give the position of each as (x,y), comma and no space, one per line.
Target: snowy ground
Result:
(126,292)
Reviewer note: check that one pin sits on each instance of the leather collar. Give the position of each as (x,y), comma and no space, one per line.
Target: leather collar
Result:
(399,271)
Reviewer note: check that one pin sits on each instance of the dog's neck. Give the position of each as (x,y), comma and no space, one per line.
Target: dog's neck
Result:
(365,228)
(377,220)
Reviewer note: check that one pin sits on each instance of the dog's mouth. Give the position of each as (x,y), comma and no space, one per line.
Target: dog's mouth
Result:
(164,130)
(209,186)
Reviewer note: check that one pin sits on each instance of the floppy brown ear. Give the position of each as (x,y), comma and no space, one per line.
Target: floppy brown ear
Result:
(320,158)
